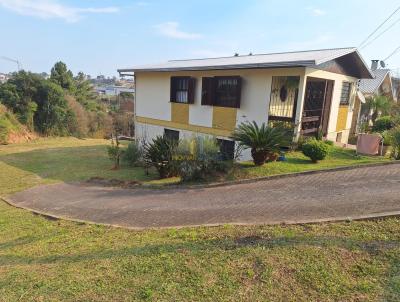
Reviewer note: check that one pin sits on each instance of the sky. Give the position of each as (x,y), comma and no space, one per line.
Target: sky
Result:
(100,36)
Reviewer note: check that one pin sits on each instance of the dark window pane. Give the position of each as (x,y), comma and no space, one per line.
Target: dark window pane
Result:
(227,149)
(227,92)
(172,135)
(180,89)
(345,95)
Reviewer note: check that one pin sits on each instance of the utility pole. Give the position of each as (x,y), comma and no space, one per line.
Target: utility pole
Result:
(12,60)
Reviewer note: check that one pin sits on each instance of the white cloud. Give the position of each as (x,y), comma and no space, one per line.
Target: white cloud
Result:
(49,9)
(171,30)
(316,11)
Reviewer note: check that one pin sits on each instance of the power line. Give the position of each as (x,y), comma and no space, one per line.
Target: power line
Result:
(393,24)
(379,27)
(392,54)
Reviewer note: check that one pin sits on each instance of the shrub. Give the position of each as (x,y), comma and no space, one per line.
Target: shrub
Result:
(394,140)
(315,149)
(115,152)
(79,121)
(197,158)
(159,154)
(383,123)
(133,154)
(262,140)
(329,143)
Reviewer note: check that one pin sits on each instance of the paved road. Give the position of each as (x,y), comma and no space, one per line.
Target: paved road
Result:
(306,198)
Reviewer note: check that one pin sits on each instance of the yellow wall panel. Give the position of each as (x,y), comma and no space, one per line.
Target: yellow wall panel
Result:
(187,127)
(342,118)
(224,118)
(180,113)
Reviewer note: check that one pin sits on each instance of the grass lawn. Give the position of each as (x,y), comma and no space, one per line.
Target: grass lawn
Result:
(297,162)
(53,260)
(42,260)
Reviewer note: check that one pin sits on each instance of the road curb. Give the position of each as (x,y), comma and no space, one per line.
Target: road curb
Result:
(258,179)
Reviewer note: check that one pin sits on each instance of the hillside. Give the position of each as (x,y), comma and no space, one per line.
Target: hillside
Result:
(11,130)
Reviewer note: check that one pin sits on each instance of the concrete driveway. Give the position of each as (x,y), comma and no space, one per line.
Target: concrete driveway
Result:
(357,193)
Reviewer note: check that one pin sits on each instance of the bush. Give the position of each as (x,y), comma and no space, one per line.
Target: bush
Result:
(197,158)
(315,149)
(394,140)
(383,123)
(115,152)
(133,154)
(159,154)
(329,143)
(79,121)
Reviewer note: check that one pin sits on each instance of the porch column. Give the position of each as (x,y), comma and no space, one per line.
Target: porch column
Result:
(300,105)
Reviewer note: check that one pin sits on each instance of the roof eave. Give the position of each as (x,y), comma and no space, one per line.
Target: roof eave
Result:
(365,64)
(224,67)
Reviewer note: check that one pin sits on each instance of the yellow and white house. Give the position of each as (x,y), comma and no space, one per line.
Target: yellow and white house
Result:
(314,90)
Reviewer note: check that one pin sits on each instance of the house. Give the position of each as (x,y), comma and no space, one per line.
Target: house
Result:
(380,84)
(314,90)
(4,78)
(396,87)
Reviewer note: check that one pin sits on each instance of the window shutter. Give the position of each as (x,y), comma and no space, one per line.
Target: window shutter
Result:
(238,92)
(207,91)
(173,89)
(191,90)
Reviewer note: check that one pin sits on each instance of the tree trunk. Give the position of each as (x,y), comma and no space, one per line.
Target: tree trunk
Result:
(259,157)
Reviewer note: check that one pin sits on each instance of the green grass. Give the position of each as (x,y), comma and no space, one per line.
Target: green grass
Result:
(60,159)
(43,260)
(297,162)
(54,260)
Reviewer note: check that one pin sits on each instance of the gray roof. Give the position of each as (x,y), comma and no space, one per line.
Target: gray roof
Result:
(284,59)
(370,86)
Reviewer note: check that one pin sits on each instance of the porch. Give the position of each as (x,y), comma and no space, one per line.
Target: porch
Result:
(286,103)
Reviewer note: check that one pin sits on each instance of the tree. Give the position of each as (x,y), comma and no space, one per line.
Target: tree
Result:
(84,93)
(18,95)
(378,105)
(62,76)
(53,114)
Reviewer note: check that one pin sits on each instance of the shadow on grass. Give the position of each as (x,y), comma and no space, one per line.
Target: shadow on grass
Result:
(374,248)
(385,250)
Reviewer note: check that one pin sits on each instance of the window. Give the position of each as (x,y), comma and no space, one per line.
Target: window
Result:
(227,149)
(172,135)
(283,100)
(182,90)
(221,91)
(346,92)
(228,90)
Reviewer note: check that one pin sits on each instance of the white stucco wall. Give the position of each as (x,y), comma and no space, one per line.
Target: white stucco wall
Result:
(153,90)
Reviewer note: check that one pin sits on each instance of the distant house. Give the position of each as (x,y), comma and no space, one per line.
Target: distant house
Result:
(380,84)
(314,90)
(396,88)
(3,78)
(112,90)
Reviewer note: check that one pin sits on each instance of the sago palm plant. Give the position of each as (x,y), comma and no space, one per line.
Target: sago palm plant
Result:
(263,140)
(159,154)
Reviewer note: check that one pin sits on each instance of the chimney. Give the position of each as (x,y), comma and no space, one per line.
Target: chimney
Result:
(374,65)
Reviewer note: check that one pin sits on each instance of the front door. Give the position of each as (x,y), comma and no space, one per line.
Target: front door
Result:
(317,103)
